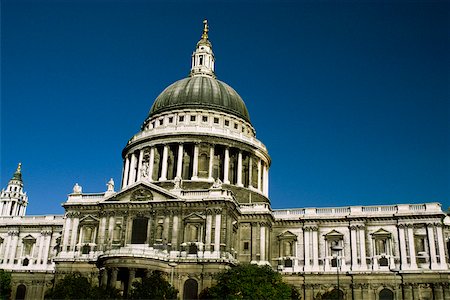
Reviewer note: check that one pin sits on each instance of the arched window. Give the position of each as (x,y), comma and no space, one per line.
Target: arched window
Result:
(25,262)
(21,292)
(333,294)
(386,294)
(190,290)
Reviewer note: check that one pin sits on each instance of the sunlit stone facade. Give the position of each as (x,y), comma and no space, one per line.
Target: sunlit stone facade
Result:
(193,201)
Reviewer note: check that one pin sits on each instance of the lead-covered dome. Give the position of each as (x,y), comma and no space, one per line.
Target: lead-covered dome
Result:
(200,92)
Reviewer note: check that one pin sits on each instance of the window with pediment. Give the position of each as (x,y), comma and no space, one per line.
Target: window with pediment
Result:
(193,228)
(382,246)
(28,245)
(287,241)
(334,239)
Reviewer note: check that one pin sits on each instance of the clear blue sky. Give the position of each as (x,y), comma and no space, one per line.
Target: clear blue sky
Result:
(351,99)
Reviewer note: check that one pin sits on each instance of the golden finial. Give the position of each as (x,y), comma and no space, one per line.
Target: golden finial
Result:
(19,167)
(205,29)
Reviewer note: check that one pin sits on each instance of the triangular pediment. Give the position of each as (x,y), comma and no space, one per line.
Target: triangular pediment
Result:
(381,232)
(142,192)
(89,219)
(287,235)
(334,234)
(194,218)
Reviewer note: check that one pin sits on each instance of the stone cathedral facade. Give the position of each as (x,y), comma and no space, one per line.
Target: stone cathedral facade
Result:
(193,201)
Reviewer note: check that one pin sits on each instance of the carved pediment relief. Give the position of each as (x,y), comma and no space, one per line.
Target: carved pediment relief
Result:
(381,233)
(194,218)
(141,195)
(29,238)
(89,219)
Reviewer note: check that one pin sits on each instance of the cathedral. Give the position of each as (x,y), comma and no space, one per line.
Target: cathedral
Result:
(194,200)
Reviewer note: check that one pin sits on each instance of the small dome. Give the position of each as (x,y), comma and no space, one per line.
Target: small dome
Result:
(203,92)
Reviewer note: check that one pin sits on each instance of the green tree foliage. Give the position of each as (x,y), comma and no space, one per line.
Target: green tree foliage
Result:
(5,284)
(154,286)
(76,286)
(247,281)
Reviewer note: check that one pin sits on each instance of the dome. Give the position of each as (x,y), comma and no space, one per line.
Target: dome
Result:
(204,92)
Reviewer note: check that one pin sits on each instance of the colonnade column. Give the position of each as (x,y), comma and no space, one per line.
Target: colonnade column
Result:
(67,225)
(41,246)
(262,242)
(432,245)
(15,239)
(112,282)
(402,240)
(139,166)
(175,230)
(362,246)
(315,248)
(265,180)
(131,276)
(110,229)
(132,175)
(104,280)
(226,167)
(74,233)
(307,245)
(102,231)
(250,171)
(239,169)
(412,249)
(164,163)
(7,247)
(126,170)
(208,230)
(47,240)
(259,175)
(217,230)
(441,246)
(180,160)
(211,162)
(151,163)
(195,163)
(353,243)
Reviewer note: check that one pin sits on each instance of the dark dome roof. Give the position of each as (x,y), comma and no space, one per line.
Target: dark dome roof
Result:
(200,92)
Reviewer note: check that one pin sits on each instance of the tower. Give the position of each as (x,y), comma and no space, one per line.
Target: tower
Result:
(13,200)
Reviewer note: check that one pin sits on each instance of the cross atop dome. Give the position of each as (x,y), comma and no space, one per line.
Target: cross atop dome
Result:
(203,56)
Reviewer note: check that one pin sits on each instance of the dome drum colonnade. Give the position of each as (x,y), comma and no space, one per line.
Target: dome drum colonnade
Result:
(182,138)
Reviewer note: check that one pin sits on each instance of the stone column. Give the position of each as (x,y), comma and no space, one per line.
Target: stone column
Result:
(175,230)
(180,160)
(104,280)
(139,166)
(441,246)
(131,276)
(151,163)
(47,241)
(164,163)
(41,248)
(217,230)
(239,169)
(211,163)
(306,232)
(7,248)
(432,245)
(353,243)
(73,240)
(208,230)
(250,171)
(362,245)
(262,242)
(259,175)
(15,238)
(126,171)
(226,167)
(111,229)
(402,245)
(112,282)
(315,248)
(67,224)
(195,163)
(102,231)
(412,249)
(132,177)
(438,291)
(265,180)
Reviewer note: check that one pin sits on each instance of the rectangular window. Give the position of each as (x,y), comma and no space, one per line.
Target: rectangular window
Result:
(170,120)
(192,118)
(246,245)
(200,60)
(161,121)
(216,120)
(227,123)
(204,118)
(235,126)
(181,119)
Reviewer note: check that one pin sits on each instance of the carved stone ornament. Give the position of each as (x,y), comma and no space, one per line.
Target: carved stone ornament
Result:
(177,183)
(141,195)
(217,184)
(77,189)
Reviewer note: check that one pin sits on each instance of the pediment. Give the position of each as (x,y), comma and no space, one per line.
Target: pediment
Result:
(29,238)
(334,234)
(89,219)
(142,192)
(287,235)
(381,233)
(194,218)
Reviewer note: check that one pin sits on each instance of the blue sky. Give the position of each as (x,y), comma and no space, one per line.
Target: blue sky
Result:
(351,99)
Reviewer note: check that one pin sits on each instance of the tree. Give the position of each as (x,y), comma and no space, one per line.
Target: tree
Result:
(76,286)
(247,281)
(154,286)
(5,284)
